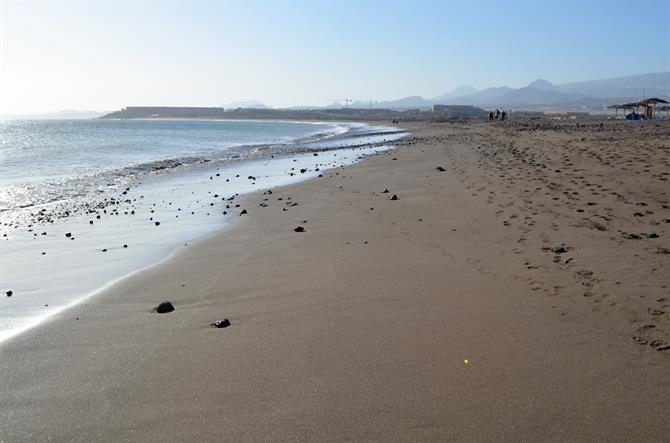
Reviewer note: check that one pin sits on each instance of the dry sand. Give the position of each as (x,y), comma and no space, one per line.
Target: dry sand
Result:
(359,328)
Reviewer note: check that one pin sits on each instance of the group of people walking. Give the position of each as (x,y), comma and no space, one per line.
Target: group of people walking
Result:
(498,115)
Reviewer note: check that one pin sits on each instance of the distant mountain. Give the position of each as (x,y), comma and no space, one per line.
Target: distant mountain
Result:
(529,96)
(540,93)
(458,92)
(484,97)
(543,85)
(251,104)
(593,93)
(66,114)
(634,86)
(411,102)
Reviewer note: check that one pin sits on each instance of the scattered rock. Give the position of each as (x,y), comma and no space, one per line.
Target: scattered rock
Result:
(394,197)
(653,311)
(9,293)
(164,308)
(157,223)
(560,249)
(68,235)
(299,229)
(440,168)
(221,323)
(385,191)
(244,211)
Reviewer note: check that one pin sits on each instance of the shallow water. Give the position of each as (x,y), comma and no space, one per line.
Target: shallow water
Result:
(48,160)
(48,270)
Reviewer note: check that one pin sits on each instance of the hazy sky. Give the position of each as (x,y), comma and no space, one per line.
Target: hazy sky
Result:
(106,55)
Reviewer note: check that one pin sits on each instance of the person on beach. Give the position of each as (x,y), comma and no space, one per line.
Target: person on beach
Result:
(503,114)
(491,115)
(497,114)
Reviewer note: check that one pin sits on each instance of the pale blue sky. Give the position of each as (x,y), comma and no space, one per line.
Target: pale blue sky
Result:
(105,55)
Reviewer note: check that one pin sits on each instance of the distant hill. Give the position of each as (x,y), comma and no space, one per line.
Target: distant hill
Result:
(539,94)
(166,112)
(543,85)
(649,85)
(588,94)
(458,92)
(484,97)
(411,102)
(251,104)
(530,96)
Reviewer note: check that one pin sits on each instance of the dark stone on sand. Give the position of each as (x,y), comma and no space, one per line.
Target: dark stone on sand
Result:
(652,235)
(244,211)
(394,197)
(302,171)
(125,246)
(653,311)
(68,235)
(164,308)
(440,168)
(385,191)
(9,293)
(157,223)
(221,323)
(104,250)
(560,249)
(299,229)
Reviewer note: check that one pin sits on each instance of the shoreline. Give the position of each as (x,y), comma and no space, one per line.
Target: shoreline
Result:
(360,327)
(60,284)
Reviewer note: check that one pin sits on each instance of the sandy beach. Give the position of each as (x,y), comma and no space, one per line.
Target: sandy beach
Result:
(516,289)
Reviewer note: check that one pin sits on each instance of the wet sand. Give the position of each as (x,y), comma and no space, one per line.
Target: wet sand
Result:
(443,315)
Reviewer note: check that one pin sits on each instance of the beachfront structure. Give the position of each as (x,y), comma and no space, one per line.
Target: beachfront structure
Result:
(648,106)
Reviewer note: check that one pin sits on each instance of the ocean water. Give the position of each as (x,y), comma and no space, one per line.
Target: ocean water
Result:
(44,161)
(84,203)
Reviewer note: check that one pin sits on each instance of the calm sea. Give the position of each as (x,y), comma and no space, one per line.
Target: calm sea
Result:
(45,161)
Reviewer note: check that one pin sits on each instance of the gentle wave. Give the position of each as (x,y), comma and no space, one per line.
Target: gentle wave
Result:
(32,191)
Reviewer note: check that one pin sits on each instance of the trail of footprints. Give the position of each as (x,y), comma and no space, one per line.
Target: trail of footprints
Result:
(606,177)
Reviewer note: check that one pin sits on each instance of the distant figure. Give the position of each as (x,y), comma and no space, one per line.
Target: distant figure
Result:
(503,115)
(491,115)
(497,114)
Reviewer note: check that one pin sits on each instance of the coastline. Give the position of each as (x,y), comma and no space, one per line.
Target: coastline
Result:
(131,241)
(359,327)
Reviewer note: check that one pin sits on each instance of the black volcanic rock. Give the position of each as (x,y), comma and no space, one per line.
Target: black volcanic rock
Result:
(164,308)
